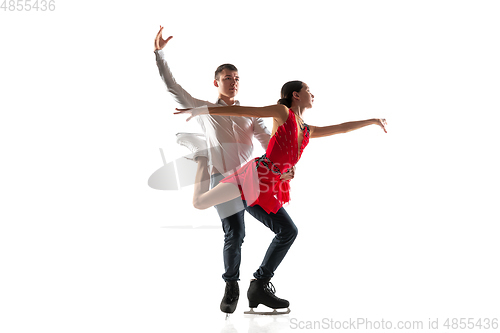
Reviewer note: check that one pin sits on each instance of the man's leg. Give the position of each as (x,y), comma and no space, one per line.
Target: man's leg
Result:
(232,215)
(234,233)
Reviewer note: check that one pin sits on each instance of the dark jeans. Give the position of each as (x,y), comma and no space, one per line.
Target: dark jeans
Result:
(234,229)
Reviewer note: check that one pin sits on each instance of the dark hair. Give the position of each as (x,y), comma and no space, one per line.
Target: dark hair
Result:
(223,67)
(287,92)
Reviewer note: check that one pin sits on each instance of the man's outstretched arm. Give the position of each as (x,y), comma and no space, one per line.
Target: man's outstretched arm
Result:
(181,96)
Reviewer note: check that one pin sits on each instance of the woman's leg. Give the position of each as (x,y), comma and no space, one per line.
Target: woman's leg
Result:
(261,291)
(203,197)
(286,232)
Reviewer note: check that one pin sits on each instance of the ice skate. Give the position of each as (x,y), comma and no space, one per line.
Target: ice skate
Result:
(194,142)
(262,292)
(230,299)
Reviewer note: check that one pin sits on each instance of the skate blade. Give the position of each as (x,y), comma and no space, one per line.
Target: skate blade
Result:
(267,313)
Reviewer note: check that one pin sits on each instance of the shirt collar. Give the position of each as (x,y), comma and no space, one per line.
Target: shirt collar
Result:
(221,102)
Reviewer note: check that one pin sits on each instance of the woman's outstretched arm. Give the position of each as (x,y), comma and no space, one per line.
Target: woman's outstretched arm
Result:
(318,132)
(278,111)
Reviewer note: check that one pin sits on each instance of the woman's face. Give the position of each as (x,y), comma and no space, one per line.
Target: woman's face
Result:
(305,98)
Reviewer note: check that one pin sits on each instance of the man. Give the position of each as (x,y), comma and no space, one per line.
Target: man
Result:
(228,146)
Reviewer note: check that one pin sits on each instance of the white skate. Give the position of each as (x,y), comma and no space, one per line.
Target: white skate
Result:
(194,142)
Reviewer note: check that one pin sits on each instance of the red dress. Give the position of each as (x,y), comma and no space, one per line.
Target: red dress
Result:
(259,179)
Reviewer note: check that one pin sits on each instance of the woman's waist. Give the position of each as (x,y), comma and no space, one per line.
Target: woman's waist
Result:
(275,166)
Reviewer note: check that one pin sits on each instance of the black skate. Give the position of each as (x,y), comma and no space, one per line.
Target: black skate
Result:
(230,299)
(262,292)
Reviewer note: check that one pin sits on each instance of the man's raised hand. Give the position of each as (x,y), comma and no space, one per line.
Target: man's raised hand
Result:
(159,41)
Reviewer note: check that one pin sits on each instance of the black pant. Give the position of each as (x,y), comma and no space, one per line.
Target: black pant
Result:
(234,229)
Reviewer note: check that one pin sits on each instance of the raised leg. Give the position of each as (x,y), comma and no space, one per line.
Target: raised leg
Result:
(202,196)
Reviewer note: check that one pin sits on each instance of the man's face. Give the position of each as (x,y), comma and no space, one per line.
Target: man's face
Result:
(228,83)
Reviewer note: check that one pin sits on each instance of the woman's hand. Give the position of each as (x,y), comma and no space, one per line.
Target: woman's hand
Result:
(193,112)
(159,41)
(289,175)
(382,123)
(185,111)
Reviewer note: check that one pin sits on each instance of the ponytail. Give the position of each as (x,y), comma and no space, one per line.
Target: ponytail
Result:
(287,92)
(286,102)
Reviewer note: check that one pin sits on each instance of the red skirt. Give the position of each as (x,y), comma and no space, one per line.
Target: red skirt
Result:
(260,186)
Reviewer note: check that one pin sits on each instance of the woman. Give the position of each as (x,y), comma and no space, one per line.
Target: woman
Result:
(263,183)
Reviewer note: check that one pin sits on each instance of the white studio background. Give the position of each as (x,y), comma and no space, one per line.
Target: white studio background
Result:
(398,225)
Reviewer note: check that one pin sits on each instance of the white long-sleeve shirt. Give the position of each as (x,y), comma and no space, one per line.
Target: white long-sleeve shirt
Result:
(230,138)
